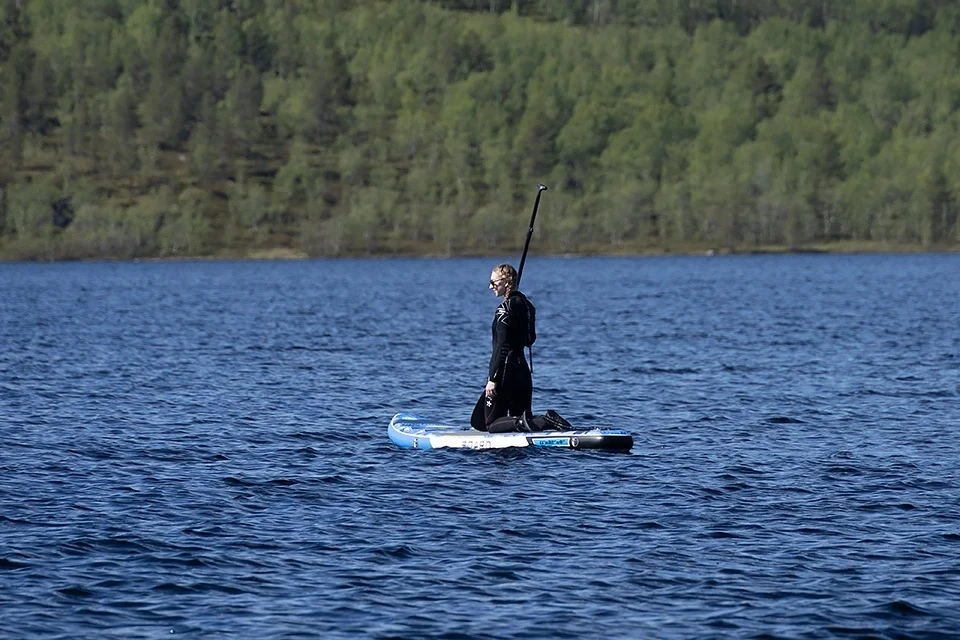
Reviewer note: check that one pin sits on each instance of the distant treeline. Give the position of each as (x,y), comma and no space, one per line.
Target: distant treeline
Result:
(139,128)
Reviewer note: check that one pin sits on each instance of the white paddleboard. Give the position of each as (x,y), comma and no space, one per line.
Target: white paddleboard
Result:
(412,431)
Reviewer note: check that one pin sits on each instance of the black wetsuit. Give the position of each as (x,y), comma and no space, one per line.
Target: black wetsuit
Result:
(512,329)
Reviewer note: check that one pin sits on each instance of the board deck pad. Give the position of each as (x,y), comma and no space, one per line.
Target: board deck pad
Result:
(412,431)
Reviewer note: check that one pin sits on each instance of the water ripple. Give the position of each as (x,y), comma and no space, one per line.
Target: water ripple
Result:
(198,450)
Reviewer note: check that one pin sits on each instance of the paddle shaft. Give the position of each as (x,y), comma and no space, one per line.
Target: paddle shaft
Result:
(526,244)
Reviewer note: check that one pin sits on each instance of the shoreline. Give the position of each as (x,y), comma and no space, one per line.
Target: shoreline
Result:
(283,253)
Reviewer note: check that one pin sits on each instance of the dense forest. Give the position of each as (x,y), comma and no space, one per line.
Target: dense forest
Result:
(162,128)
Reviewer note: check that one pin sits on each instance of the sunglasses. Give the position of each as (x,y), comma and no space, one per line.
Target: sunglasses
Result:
(494,283)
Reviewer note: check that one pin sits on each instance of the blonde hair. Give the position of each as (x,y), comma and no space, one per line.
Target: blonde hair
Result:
(506,272)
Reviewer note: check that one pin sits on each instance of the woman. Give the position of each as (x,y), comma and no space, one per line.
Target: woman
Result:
(509,390)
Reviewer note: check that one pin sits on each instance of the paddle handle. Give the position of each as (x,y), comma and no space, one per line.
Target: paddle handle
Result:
(526,243)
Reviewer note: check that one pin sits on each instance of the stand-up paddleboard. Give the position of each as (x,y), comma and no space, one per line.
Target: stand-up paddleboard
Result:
(412,431)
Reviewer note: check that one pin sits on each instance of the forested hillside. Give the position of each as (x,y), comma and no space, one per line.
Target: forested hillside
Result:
(141,128)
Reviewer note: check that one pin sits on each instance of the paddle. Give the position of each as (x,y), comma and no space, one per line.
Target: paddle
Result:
(526,244)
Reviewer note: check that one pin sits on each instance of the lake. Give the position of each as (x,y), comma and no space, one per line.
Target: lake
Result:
(199,450)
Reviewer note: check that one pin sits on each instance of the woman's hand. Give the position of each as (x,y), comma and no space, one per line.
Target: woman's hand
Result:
(491,389)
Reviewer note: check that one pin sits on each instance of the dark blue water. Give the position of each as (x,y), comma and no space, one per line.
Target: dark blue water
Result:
(199,450)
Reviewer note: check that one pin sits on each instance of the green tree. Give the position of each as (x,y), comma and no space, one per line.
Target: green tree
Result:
(184,225)
(30,211)
(241,108)
(12,135)
(162,110)
(248,204)
(296,183)
(210,143)
(120,128)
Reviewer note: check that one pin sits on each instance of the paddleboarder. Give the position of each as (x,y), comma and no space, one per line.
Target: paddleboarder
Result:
(509,388)
(505,402)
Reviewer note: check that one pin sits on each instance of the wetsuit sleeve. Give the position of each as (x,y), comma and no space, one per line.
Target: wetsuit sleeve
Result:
(501,328)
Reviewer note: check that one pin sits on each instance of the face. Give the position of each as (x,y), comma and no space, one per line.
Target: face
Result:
(498,284)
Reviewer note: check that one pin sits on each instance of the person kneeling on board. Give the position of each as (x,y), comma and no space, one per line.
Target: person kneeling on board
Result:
(505,402)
